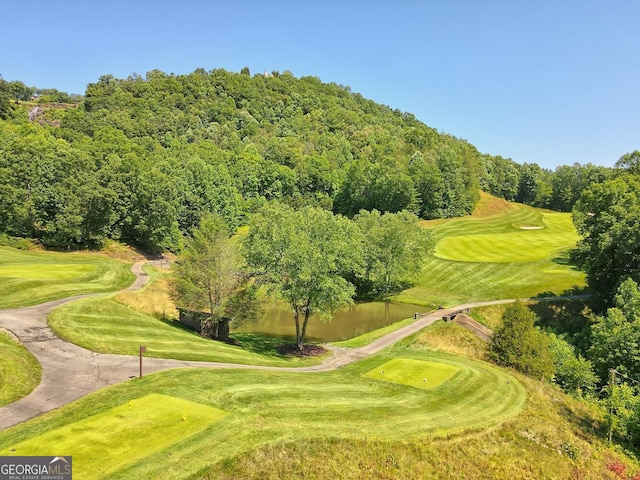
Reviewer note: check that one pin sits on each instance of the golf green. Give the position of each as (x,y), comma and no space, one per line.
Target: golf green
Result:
(414,373)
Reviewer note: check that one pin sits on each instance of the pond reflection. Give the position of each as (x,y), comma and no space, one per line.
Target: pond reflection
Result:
(277,319)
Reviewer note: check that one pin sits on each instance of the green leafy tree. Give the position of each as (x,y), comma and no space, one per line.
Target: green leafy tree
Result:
(615,336)
(394,248)
(5,96)
(304,257)
(621,409)
(572,371)
(607,218)
(209,278)
(630,162)
(519,344)
(379,186)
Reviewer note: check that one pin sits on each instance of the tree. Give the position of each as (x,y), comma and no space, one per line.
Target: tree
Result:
(615,336)
(607,218)
(304,257)
(519,344)
(630,161)
(394,247)
(379,186)
(572,372)
(208,278)
(5,95)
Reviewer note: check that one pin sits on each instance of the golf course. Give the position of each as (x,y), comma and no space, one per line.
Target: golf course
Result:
(429,404)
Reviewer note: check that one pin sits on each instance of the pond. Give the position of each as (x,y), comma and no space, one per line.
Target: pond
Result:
(277,319)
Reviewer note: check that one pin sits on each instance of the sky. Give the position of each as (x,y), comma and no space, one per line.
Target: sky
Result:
(552,82)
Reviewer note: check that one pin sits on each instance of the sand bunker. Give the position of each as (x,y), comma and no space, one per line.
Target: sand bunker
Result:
(531,227)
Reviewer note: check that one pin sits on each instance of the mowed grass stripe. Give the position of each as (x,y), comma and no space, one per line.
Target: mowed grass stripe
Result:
(122,435)
(519,245)
(266,407)
(32,277)
(106,326)
(490,257)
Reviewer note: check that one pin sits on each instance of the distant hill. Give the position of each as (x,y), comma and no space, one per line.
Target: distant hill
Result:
(140,159)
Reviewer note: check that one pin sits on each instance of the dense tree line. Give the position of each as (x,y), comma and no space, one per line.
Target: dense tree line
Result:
(150,155)
(533,185)
(141,159)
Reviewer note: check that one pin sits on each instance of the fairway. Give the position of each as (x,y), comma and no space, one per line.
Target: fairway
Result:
(524,244)
(413,373)
(239,410)
(504,250)
(32,277)
(120,436)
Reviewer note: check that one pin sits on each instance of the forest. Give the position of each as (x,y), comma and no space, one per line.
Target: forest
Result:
(141,159)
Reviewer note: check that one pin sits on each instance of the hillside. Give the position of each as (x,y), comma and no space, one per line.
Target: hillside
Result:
(141,159)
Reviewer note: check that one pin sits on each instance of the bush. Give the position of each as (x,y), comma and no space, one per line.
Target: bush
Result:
(519,344)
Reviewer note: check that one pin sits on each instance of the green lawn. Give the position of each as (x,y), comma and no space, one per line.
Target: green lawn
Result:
(106,326)
(413,373)
(122,435)
(247,409)
(32,277)
(513,251)
(20,372)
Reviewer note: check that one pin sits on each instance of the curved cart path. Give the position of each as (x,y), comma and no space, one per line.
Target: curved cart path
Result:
(70,372)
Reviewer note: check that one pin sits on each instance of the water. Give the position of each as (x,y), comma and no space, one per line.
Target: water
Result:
(277,319)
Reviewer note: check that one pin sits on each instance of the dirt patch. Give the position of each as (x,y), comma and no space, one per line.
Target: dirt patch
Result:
(292,350)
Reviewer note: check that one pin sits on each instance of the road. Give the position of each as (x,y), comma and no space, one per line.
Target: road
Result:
(70,372)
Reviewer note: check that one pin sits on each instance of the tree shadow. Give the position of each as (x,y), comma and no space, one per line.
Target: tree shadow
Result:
(262,344)
(268,345)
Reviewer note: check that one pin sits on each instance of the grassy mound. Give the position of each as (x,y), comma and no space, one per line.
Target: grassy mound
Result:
(503,250)
(264,407)
(107,326)
(122,435)
(32,277)
(20,371)
(554,436)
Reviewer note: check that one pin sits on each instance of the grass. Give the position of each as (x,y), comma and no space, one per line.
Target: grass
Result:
(20,372)
(29,278)
(488,256)
(263,408)
(122,323)
(123,435)
(413,373)
(107,326)
(554,436)
(369,337)
(154,298)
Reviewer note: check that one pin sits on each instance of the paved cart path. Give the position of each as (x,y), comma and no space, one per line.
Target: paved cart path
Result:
(70,372)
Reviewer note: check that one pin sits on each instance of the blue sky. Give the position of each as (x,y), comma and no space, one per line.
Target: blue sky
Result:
(549,81)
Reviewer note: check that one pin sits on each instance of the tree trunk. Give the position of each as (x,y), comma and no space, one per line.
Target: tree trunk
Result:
(304,330)
(296,317)
(223,328)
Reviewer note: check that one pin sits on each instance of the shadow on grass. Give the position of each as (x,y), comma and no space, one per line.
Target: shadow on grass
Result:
(565,260)
(267,345)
